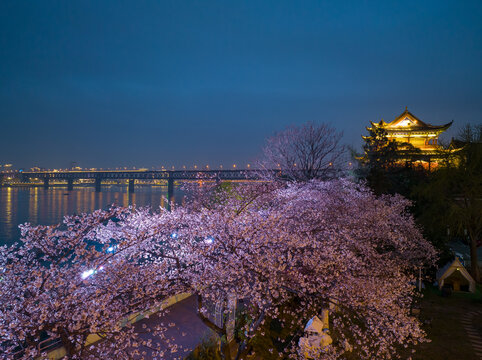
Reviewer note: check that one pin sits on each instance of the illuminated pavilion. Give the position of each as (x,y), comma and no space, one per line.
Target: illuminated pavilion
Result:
(408,129)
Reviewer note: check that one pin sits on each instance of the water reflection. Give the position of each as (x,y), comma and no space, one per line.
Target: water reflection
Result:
(33,205)
(8,211)
(40,206)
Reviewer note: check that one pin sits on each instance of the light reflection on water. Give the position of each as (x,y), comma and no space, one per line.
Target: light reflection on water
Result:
(40,206)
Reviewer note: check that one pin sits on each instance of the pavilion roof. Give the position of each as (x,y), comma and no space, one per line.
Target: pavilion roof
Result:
(406,121)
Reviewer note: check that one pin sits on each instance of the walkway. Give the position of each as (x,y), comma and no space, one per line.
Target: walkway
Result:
(475,334)
(188,331)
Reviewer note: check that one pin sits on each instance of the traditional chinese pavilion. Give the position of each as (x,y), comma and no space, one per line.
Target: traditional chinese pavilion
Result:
(408,129)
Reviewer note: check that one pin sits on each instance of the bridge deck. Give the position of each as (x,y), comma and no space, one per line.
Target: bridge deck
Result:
(145,175)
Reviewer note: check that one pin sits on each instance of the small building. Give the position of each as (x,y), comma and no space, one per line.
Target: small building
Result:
(455,275)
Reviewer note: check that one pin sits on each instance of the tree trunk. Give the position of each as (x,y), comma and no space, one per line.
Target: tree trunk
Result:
(69,347)
(226,349)
(474,265)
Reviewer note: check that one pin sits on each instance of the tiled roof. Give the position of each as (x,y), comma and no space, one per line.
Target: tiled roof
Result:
(407,121)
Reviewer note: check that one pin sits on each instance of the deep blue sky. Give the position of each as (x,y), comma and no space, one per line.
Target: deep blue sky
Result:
(148,83)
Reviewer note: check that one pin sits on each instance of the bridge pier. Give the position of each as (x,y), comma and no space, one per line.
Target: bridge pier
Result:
(131,176)
(170,192)
(98,184)
(130,187)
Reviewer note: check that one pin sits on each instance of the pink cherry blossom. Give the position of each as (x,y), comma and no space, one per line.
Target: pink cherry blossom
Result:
(293,249)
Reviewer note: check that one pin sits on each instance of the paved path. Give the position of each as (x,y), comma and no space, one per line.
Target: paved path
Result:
(474,334)
(188,331)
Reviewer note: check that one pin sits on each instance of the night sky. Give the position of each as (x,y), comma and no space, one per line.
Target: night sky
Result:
(150,83)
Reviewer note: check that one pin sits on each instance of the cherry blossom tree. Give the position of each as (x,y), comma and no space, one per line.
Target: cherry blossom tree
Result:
(286,251)
(68,281)
(314,244)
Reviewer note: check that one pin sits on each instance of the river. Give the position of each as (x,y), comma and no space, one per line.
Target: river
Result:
(40,206)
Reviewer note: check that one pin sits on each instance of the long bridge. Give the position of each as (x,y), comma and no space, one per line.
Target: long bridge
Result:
(132,175)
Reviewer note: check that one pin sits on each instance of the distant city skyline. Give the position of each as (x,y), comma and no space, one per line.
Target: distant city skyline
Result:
(110,84)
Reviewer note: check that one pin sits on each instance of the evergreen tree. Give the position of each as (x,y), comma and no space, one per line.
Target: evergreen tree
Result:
(387,165)
(452,196)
